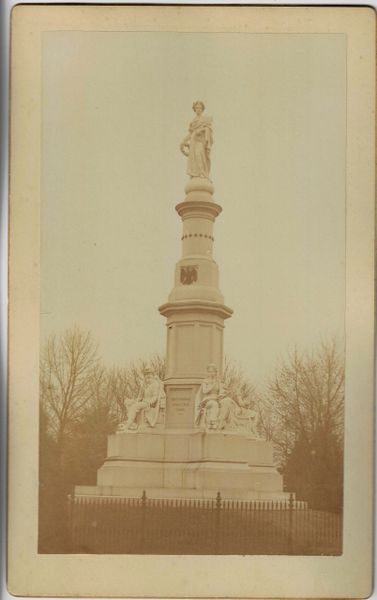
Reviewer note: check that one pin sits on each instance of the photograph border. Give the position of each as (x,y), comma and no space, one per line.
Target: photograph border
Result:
(32,574)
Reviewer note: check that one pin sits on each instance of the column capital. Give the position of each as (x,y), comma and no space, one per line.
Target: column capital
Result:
(196,209)
(195,306)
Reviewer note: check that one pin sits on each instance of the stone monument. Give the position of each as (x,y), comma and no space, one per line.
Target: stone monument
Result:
(189,437)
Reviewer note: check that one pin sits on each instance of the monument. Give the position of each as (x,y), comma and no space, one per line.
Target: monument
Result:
(189,437)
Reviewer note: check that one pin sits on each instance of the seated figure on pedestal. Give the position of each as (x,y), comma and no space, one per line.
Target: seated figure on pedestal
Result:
(216,410)
(243,417)
(212,403)
(144,410)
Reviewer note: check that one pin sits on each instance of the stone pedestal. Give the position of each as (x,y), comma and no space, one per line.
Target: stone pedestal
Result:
(190,464)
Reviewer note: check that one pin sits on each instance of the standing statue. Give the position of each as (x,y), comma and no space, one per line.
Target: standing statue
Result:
(144,410)
(197,143)
(212,404)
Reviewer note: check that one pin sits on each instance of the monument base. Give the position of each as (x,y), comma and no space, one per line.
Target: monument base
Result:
(188,464)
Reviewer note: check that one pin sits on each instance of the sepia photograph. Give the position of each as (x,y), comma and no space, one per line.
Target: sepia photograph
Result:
(228,435)
(192,298)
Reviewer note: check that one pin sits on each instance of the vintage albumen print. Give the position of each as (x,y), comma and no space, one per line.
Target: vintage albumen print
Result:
(194,232)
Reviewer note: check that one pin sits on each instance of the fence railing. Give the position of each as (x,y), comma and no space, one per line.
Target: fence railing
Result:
(144,525)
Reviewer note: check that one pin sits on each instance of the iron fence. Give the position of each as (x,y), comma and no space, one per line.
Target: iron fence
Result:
(111,525)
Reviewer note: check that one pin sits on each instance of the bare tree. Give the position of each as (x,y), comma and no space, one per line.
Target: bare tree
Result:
(302,413)
(237,383)
(306,396)
(70,375)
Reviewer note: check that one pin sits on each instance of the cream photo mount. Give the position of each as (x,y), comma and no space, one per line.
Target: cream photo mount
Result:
(33,574)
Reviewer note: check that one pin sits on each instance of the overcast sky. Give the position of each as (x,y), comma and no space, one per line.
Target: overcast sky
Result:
(115,108)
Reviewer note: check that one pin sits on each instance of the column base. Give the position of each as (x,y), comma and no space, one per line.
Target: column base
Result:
(188,464)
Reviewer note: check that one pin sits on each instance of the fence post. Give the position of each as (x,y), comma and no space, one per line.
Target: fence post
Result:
(291,501)
(70,507)
(143,515)
(217,522)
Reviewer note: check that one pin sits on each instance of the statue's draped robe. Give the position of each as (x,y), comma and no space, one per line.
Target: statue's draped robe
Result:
(145,409)
(207,398)
(200,142)
(154,395)
(214,408)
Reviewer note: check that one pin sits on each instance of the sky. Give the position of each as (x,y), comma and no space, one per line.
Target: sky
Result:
(115,109)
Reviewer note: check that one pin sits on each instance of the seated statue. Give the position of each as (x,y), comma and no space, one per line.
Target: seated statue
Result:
(212,403)
(216,410)
(144,410)
(245,418)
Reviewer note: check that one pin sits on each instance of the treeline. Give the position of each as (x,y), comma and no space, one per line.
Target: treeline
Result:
(81,403)
(302,412)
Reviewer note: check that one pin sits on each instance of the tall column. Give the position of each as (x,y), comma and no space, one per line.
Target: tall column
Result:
(179,459)
(195,310)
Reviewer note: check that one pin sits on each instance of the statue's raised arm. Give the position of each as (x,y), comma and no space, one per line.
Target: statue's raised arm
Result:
(197,143)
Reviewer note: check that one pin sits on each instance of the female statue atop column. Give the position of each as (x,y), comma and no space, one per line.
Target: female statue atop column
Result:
(197,143)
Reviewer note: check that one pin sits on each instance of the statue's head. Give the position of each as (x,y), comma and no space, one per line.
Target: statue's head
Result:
(198,107)
(212,370)
(148,373)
